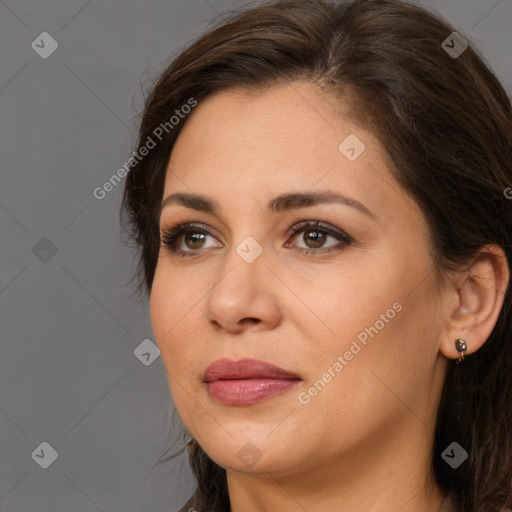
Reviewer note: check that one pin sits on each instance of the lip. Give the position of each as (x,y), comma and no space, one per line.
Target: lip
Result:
(246,381)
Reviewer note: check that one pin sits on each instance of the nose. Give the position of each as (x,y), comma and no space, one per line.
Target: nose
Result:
(245,296)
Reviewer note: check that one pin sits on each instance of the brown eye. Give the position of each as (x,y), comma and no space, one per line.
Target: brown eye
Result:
(194,240)
(315,237)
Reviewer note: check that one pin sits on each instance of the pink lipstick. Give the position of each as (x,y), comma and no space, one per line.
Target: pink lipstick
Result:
(247,381)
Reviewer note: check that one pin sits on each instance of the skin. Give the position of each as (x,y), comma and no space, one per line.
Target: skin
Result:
(363,442)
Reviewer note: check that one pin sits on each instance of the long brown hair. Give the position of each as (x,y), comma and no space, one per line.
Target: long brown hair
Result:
(446,123)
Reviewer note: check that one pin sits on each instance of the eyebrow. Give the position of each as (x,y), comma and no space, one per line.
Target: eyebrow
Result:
(281,203)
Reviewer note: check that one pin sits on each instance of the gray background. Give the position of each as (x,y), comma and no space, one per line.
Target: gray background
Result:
(69,322)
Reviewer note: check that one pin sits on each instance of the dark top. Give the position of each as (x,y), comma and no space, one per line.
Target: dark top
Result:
(188,506)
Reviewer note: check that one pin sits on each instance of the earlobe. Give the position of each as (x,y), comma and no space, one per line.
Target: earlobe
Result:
(481,291)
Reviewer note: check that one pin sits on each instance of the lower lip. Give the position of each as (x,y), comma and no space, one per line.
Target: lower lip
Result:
(248,391)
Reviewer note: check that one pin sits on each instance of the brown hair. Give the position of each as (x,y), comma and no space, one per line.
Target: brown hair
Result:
(446,123)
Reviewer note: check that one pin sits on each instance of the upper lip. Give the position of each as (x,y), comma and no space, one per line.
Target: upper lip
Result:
(225,369)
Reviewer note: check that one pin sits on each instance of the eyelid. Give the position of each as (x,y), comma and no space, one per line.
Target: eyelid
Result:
(181,228)
(322,226)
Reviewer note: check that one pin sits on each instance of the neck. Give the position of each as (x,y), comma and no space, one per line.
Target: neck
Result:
(391,472)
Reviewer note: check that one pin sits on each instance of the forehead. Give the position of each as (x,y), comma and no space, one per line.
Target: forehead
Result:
(288,118)
(244,144)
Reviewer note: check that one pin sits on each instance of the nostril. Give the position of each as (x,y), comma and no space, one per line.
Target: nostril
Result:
(250,319)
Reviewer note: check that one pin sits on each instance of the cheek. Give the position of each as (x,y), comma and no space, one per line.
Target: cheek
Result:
(372,326)
(174,318)
(346,306)
(387,360)
(353,382)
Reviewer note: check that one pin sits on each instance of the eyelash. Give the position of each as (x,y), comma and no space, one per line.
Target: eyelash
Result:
(169,237)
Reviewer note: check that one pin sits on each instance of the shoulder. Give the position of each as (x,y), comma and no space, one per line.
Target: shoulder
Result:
(188,507)
(448,504)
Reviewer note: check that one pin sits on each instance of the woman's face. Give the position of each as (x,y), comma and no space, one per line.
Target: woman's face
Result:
(353,320)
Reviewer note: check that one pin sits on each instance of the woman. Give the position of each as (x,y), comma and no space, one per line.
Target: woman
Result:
(325,235)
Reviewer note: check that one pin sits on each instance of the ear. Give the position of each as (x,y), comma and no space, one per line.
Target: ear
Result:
(478,293)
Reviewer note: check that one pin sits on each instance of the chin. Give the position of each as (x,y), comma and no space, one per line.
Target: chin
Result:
(250,450)
(250,459)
